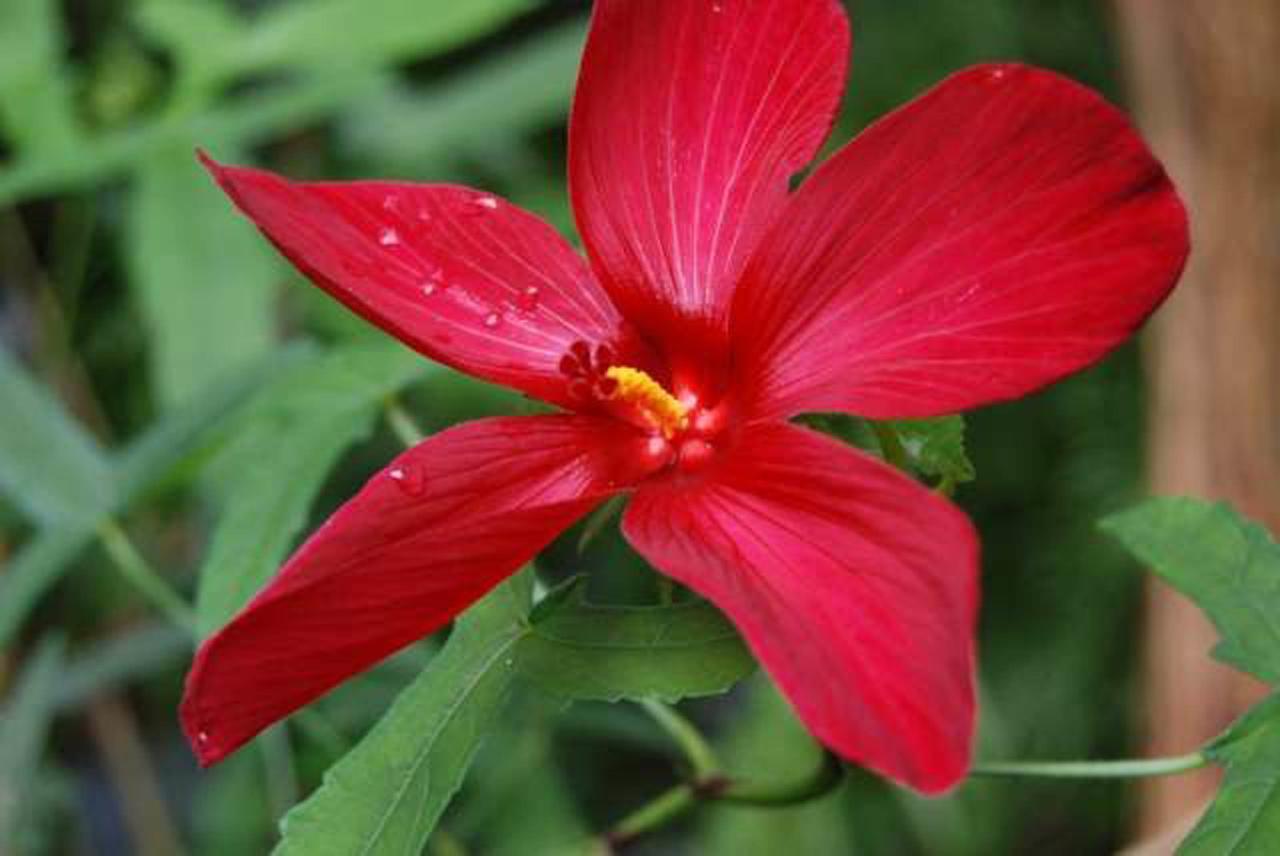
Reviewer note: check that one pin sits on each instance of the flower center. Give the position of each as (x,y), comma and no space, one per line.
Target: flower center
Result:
(680,428)
(660,408)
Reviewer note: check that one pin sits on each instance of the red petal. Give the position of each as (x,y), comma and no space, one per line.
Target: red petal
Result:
(426,537)
(1002,231)
(688,121)
(856,588)
(461,276)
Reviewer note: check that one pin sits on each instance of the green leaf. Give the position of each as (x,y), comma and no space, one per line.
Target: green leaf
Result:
(181,440)
(37,112)
(929,448)
(24,724)
(340,33)
(1244,818)
(120,659)
(143,466)
(387,794)
(767,743)
(1227,564)
(526,86)
(49,466)
(201,34)
(518,767)
(293,434)
(203,277)
(252,118)
(584,651)
(935,447)
(34,569)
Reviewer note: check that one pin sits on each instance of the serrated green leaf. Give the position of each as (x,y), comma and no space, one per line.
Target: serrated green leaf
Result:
(37,112)
(1244,818)
(386,795)
(49,466)
(202,276)
(929,448)
(935,447)
(585,651)
(293,434)
(1224,562)
(24,723)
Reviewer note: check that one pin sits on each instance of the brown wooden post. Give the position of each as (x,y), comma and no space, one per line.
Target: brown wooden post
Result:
(1205,81)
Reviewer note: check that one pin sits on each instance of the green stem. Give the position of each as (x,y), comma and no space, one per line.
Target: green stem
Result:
(666,590)
(134,568)
(598,520)
(402,424)
(776,794)
(709,785)
(657,813)
(702,759)
(1128,769)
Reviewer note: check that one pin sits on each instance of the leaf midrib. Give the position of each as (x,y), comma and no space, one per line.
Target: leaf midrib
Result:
(515,635)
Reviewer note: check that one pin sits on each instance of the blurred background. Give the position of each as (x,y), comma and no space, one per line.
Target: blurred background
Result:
(148,336)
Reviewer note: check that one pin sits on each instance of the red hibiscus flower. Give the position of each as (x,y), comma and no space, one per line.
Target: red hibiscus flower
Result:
(1001,231)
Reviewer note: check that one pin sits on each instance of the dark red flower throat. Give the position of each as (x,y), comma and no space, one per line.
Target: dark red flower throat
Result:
(682,411)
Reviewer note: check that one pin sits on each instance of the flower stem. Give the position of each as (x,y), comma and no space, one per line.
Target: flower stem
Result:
(702,759)
(776,794)
(407,431)
(1128,769)
(660,811)
(708,784)
(134,568)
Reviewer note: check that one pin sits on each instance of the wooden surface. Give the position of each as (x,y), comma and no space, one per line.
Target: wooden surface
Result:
(1204,79)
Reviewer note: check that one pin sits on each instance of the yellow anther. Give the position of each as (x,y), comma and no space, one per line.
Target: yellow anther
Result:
(659,406)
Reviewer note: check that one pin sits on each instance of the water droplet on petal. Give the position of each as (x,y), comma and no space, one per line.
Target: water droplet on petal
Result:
(528,299)
(409,477)
(424,216)
(493,319)
(433,282)
(202,737)
(391,202)
(478,205)
(388,237)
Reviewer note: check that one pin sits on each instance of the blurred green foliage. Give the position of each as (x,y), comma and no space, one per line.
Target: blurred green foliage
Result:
(146,374)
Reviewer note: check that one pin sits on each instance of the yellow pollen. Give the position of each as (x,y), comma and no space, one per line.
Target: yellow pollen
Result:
(658,405)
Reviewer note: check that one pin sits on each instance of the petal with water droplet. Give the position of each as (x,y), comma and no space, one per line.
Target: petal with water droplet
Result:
(379,262)
(443,524)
